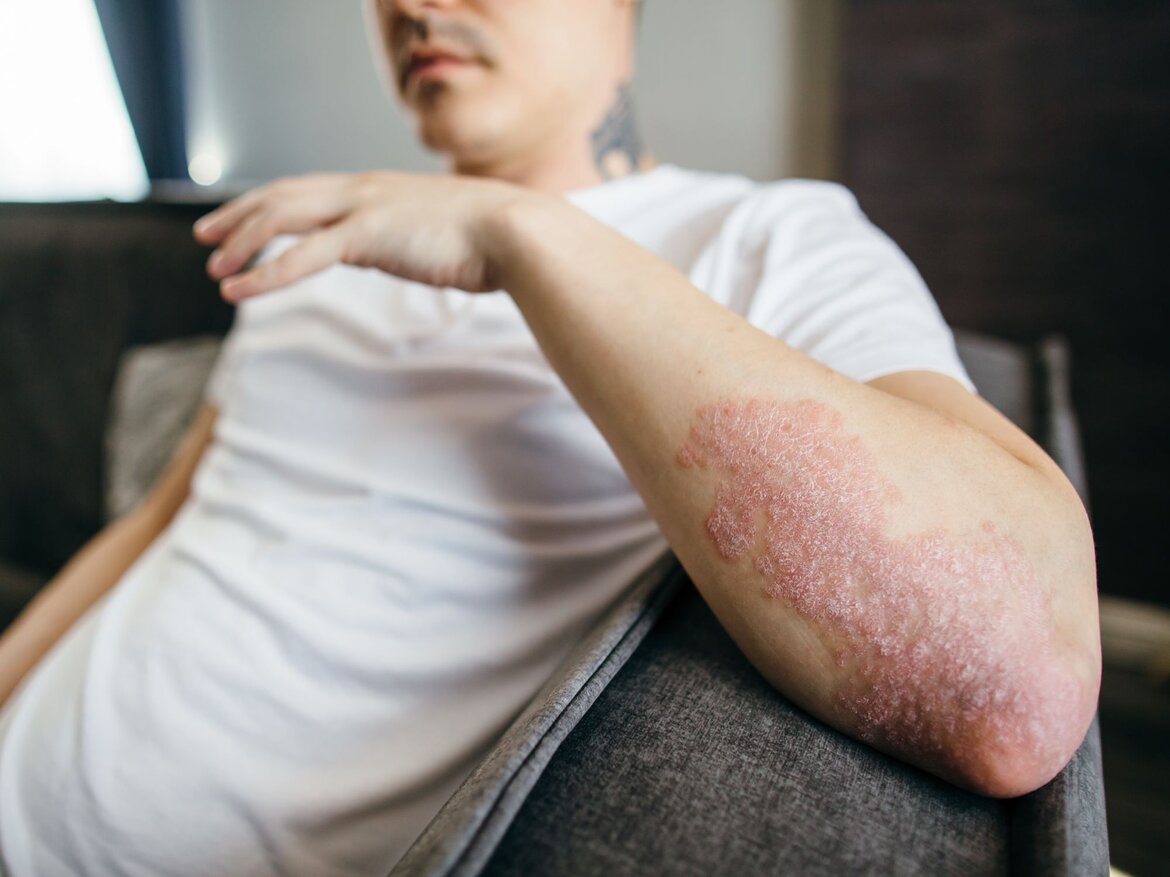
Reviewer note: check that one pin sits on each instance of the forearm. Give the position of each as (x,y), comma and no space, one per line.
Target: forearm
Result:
(895,571)
(79,584)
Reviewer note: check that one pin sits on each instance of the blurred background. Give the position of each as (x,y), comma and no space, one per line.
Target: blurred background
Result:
(236,93)
(1016,150)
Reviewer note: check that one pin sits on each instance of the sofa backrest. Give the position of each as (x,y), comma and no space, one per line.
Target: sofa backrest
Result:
(79,283)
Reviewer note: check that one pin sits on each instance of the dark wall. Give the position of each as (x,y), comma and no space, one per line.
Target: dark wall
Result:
(1018,152)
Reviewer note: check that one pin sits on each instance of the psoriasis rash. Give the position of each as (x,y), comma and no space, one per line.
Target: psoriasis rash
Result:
(939,628)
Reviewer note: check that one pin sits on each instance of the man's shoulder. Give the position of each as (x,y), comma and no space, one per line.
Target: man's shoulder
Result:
(754,210)
(777,190)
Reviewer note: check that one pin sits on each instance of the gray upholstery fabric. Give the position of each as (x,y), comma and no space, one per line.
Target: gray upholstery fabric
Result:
(1060,829)
(1058,430)
(466,830)
(690,763)
(1003,374)
(157,391)
(1031,387)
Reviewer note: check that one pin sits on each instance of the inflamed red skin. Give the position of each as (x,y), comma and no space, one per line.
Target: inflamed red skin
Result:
(944,637)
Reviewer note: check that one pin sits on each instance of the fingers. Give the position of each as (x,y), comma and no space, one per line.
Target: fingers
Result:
(252,233)
(314,253)
(216,225)
(244,225)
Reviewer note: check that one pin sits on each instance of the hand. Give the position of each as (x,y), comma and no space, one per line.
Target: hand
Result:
(426,228)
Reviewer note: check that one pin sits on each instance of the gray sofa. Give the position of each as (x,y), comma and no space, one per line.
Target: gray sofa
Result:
(656,748)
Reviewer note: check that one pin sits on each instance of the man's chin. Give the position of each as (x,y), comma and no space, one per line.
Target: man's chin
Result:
(442,139)
(464,143)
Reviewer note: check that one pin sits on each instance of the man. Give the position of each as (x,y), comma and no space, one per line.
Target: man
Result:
(458,413)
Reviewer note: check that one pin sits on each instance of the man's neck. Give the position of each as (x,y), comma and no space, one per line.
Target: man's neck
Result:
(611,149)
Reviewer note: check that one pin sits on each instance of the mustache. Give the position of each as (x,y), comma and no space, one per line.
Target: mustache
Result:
(408,32)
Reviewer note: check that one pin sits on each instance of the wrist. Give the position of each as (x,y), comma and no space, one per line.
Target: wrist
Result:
(516,230)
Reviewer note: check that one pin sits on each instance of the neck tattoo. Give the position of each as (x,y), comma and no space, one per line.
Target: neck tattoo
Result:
(617,148)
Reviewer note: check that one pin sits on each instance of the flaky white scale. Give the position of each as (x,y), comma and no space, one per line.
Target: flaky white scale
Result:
(933,643)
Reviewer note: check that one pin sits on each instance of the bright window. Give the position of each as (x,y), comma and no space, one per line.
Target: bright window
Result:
(64,131)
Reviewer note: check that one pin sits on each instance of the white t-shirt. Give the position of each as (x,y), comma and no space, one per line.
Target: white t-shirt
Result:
(403,525)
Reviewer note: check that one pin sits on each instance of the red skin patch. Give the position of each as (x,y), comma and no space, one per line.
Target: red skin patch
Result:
(941,630)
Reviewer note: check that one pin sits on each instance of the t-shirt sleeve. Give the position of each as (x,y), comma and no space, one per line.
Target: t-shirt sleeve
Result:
(834,286)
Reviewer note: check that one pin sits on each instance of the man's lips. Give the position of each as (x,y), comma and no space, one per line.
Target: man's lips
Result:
(423,64)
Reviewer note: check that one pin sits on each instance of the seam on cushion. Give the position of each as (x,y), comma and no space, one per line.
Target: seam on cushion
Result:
(484,805)
(1060,829)
(516,788)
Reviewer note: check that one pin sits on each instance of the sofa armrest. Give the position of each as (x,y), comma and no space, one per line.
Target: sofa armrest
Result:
(689,762)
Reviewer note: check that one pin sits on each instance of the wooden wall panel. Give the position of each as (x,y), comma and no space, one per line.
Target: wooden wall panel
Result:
(1018,152)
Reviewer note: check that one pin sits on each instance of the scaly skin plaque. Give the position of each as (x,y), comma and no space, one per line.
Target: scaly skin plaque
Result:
(941,629)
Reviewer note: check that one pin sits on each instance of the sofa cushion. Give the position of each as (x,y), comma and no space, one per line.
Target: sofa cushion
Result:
(461,837)
(1003,374)
(690,763)
(157,392)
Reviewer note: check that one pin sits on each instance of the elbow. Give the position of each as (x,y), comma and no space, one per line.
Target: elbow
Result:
(1011,773)
(1014,752)
(1023,743)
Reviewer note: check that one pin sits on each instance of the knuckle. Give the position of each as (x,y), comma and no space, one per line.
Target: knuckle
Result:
(365,184)
(267,225)
(348,237)
(276,272)
(366,224)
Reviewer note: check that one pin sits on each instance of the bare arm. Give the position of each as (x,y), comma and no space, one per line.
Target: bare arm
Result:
(896,557)
(100,563)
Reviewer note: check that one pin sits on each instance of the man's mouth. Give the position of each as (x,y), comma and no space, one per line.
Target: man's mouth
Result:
(424,64)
